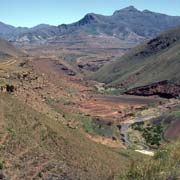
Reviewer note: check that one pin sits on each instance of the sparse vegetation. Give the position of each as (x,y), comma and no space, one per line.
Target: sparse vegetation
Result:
(56,125)
(153,134)
(64,101)
(144,65)
(164,165)
(50,143)
(1,165)
(87,124)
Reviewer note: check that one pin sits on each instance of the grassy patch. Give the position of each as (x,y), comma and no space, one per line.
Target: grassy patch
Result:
(175,113)
(33,140)
(2,82)
(64,101)
(72,91)
(164,165)
(87,124)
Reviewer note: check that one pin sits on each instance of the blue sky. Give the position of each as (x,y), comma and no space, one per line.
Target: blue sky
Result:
(32,12)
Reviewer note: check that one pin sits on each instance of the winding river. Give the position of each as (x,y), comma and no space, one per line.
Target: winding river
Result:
(143,116)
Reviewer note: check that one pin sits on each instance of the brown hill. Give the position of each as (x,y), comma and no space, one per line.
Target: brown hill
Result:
(7,49)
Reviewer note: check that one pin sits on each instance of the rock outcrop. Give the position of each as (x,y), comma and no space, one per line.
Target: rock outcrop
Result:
(164,89)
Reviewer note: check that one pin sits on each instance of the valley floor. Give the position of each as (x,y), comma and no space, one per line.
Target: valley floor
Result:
(55,125)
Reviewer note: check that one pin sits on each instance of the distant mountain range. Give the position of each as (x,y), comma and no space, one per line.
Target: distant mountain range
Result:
(125,28)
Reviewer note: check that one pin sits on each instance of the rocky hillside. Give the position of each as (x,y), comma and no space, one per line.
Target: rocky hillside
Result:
(126,26)
(152,62)
(7,49)
(163,88)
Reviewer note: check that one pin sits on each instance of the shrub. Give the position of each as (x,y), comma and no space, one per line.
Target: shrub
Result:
(1,165)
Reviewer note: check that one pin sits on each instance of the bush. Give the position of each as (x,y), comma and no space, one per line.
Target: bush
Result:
(1,165)
(152,134)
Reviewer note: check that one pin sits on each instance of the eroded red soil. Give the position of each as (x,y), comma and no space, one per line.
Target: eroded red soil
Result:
(59,84)
(74,94)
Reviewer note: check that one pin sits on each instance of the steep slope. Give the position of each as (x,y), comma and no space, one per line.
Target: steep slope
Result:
(6,31)
(7,49)
(127,25)
(155,61)
(35,146)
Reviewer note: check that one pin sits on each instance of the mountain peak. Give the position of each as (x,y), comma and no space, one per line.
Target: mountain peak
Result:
(87,19)
(147,11)
(127,9)
(41,26)
(90,16)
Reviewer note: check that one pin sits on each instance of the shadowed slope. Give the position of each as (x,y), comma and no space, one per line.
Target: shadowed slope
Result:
(154,61)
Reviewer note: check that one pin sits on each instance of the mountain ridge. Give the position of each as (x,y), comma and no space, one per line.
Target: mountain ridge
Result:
(128,24)
(152,62)
(8,50)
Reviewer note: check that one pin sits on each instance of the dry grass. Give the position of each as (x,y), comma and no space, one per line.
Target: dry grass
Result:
(164,166)
(31,144)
